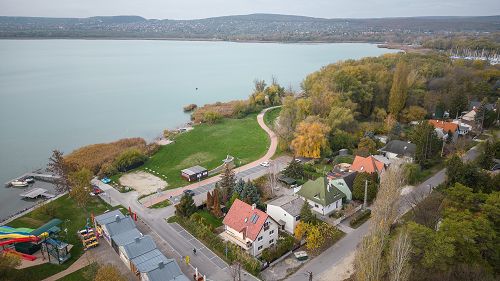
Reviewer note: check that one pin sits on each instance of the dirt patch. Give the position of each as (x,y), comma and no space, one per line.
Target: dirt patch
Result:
(340,271)
(144,183)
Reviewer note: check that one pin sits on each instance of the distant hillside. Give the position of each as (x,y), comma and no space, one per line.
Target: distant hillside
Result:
(259,27)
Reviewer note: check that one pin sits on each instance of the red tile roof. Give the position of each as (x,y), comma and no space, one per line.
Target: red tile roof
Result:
(368,165)
(241,218)
(446,126)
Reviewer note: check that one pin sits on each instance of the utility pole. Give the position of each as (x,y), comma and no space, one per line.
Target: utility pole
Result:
(365,204)
(310,274)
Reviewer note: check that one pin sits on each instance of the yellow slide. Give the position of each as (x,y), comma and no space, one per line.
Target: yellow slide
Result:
(13,236)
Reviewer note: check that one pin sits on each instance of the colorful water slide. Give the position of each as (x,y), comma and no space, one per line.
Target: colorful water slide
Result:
(10,230)
(23,256)
(17,239)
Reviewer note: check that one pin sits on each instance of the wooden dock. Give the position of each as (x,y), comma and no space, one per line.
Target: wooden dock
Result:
(36,176)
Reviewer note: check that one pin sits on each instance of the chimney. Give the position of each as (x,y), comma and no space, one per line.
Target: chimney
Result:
(117,218)
(253,206)
(137,239)
(161,264)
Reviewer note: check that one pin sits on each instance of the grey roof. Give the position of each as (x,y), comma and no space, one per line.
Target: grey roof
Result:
(126,237)
(349,179)
(167,272)
(194,170)
(401,148)
(382,158)
(149,261)
(139,246)
(108,217)
(120,225)
(477,104)
(291,204)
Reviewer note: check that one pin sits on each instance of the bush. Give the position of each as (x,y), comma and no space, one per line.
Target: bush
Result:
(360,218)
(212,117)
(411,173)
(358,189)
(130,159)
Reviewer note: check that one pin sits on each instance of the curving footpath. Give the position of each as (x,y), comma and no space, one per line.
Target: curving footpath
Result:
(270,152)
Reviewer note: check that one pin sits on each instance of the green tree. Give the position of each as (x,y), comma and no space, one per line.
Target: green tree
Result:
(411,172)
(341,139)
(306,214)
(340,118)
(428,145)
(485,159)
(413,113)
(358,188)
(186,206)
(399,89)
(233,198)
(227,183)
(294,170)
(130,159)
(366,147)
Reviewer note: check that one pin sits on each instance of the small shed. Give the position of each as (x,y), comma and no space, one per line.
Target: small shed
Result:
(194,173)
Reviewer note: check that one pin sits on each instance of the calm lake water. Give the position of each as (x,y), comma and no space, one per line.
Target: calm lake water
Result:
(67,93)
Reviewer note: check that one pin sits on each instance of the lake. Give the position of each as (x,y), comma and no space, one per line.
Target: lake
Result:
(62,94)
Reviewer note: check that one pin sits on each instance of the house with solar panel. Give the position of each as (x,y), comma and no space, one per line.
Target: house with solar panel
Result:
(250,228)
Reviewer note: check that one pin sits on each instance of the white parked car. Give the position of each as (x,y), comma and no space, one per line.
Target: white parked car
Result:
(265,164)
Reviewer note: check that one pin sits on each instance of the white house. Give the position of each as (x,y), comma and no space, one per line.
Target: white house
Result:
(323,197)
(343,181)
(249,228)
(286,211)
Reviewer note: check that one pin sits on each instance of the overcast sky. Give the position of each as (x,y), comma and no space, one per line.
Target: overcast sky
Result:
(191,9)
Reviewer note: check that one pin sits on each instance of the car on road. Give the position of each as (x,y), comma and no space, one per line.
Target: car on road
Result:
(265,164)
(189,192)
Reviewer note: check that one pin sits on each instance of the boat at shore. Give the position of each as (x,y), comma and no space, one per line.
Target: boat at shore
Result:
(19,183)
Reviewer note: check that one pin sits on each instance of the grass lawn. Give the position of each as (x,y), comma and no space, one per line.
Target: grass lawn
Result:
(211,219)
(207,145)
(161,204)
(271,116)
(74,218)
(76,276)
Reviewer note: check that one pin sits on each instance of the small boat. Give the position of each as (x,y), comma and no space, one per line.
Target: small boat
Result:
(29,180)
(19,183)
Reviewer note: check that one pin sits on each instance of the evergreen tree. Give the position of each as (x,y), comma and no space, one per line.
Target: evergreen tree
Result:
(216,211)
(227,183)
(485,159)
(358,188)
(399,89)
(239,187)
(428,145)
(186,207)
(233,198)
(294,170)
(306,215)
(250,193)
(210,200)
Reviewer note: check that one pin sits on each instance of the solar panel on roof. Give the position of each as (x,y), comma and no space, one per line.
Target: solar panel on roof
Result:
(254,219)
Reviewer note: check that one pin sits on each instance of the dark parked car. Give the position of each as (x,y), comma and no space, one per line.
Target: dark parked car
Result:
(189,192)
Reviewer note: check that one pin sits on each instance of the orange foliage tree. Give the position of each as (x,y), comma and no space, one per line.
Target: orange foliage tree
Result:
(310,139)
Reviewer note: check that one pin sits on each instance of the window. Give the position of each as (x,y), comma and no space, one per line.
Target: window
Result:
(260,238)
(316,205)
(271,232)
(297,218)
(260,248)
(271,241)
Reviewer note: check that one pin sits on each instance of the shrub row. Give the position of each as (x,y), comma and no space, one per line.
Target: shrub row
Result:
(285,244)
(360,218)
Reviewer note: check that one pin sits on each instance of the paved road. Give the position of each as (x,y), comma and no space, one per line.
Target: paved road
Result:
(210,182)
(347,245)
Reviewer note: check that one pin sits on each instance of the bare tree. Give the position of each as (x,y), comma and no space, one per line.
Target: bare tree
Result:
(59,168)
(271,176)
(368,262)
(399,257)
(426,213)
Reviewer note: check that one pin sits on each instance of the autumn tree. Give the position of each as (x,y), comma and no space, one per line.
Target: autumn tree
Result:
(369,263)
(80,182)
(61,169)
(310,139)
(8,264)
(109,273)
(399,89)
(210,200)
(340,118)
(366,147)
(216,210)
(413,113)
(227,182)
(399,257)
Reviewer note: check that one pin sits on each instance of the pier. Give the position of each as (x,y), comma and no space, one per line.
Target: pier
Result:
(36,176)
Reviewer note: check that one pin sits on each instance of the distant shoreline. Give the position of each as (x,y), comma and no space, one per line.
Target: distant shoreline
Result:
(197,40)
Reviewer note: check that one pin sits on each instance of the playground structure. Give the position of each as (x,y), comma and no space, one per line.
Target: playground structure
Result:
(88,235)
(24,242)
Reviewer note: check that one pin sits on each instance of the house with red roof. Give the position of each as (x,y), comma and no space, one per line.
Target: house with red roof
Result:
(250,228)
(367,165)
(443,128)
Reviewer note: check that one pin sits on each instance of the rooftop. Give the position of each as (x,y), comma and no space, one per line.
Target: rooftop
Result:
(120,225)
(139,246)
(149,260)
(108,217)
(244,217)
(348,177)
(445,126)
(167,272)
(291,204)
(320,191)
(367,164)
(401,148)
(194,170)
(126,237)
